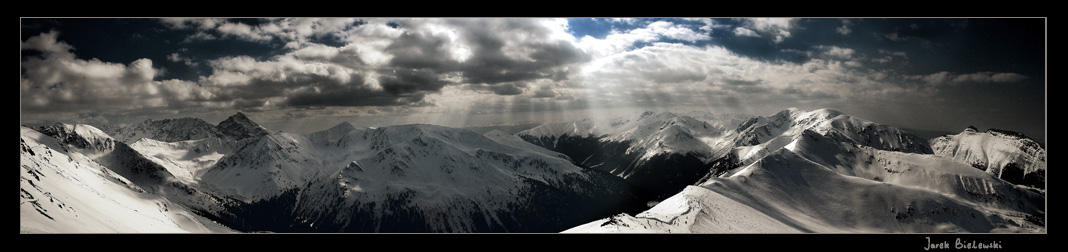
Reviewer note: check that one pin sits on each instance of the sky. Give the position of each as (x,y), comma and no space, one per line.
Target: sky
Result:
(306,74)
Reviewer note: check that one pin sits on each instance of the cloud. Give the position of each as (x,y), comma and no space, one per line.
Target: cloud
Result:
(951,79)
(545,91)
(284,30)
(502,89)
(661,63)
(838,52)
(47,43)
(845,28)
(709,75)
(175,57)
(58,81)
(742,31)
(399,62)
(493,50)
(620,41)
(776,28)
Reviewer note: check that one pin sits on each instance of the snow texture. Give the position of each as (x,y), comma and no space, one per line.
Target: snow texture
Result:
(823,171)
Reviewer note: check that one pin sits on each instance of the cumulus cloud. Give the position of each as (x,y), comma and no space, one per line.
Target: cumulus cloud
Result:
(385,62)
(57,80)
(776,28)
(281,29)
(47,43)
(620,41)
(485,51)
(745,32)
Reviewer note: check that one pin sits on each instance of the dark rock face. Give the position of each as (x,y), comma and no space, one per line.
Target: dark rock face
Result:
(239,127)
(658,177)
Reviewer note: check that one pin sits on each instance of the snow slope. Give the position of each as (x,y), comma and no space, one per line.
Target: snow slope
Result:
(762,135)
(167,130)
(186,147)
(820,184)
(68,192)
(660,153)
(1007,155)
(186,160)
(409,178)
(649,133)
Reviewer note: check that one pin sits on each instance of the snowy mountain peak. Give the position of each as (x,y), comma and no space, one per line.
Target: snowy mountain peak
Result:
(337,130)
(167,130)
(646,114)
(333,135)
(820,114)
(240,127)
(1005,154)
(1012,135)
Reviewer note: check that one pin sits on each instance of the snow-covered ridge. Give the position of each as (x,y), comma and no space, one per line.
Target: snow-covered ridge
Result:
(648,133)
(80,135)
(167,130)
(235,128)
(347,178)
(288,161)
(239,126)
(763,135)
(1007,155)
(821,184)
(68,192)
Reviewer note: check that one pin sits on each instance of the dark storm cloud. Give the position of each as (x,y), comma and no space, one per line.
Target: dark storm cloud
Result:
(502,88)
(491,65)
(419,50)
(408,81)
(501,51)
(351,96)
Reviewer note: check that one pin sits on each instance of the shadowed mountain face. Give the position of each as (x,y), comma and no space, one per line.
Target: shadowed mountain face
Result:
(239,127)
(659,153)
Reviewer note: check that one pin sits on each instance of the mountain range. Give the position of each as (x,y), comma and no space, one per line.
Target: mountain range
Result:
(793,171)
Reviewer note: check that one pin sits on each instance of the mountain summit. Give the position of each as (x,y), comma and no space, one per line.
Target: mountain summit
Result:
(240,127)
(1005,154)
